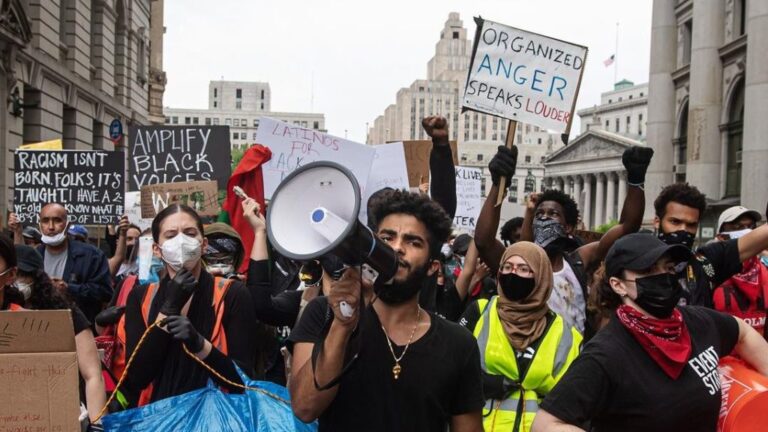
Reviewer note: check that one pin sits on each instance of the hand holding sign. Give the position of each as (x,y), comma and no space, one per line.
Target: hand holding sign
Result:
(13,223)
(252,212)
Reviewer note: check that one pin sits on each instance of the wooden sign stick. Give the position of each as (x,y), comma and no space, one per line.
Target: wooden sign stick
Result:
(511,128)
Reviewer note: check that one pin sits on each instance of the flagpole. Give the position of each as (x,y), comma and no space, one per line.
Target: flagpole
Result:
(616,57)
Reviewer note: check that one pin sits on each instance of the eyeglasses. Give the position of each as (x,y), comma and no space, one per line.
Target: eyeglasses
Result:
(523,270)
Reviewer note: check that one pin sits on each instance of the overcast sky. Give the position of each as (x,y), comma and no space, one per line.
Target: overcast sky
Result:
(356,54)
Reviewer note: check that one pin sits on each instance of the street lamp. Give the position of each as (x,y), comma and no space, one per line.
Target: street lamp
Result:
(530,182)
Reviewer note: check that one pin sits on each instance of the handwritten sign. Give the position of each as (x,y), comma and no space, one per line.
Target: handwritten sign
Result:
(467,197)
(293,147)
(89,184)
(133,210)
(417,160)
(170,154)
(524,76)
(200,195)
(388,170)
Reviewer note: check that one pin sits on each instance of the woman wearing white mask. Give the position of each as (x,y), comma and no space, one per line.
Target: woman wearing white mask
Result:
(211,317)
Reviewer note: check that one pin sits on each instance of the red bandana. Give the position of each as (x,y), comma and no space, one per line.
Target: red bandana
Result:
(667,341)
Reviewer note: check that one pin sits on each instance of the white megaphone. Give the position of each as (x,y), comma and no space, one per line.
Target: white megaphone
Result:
(314,212)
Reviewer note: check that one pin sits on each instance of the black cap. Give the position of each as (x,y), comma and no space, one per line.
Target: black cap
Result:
(28,259)
(31,233)
(640,251)
(461,244)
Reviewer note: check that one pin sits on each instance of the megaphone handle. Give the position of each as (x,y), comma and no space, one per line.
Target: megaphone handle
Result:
(357,333)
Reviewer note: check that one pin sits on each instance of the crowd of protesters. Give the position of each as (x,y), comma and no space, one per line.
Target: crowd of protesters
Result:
(521,328)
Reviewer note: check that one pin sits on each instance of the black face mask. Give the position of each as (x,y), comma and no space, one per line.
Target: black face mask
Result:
(681,237)
(658,294)
(515,287)
(400,292)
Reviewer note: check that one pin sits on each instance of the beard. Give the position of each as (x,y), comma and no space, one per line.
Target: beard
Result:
(399,292)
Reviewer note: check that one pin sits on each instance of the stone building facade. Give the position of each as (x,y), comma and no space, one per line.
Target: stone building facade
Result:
(70,67)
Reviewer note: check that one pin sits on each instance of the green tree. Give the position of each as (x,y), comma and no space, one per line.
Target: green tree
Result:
(602,229)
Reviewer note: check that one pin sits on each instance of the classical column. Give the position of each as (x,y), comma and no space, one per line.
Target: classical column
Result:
(610,206)
(588,201)
(754,159)
(561,184)
(569,185)
(600,200)
(623,195)
(661,99)
(577,193)
(705,103)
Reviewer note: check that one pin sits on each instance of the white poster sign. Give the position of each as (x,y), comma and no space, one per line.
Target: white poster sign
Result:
(524,76)
(388,170)
(468,201)
(293,146)
(133,210)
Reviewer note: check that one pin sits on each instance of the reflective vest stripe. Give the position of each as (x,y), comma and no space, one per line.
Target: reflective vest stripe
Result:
(482,338)
(563,348)
(531,406)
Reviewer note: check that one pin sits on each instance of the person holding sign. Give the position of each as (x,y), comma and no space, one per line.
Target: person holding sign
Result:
(550,220)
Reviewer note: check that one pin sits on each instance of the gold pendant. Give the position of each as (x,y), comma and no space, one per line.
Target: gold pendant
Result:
(396,370)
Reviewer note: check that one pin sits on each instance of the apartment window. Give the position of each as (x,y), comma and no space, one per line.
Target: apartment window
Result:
(687,37)
(254,136)
(639,124)
(195,120)
(479,157)
(539,141)
(216,121)
(237,122)
(262,93)
(207,121)
(455,35)
(641,94)
(262,105)
(244,122)
(527,159)
(238,104)
(617,126)
(187,120)
(513,190)
(228,122)
(607,124)
(463,157)
(215,92)
(495,137)
(316,125)
(235,135)
(303,124)
(239,93)
(620,98)
(175,120)
(167,120)
(255,122)
(630,96)
(215,104)
(629,119)
(610,100)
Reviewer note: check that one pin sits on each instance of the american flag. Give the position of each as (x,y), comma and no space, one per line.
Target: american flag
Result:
(609,61)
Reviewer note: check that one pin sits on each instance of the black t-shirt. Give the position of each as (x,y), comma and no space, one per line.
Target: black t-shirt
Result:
(615,383)
(441,299)
(713,264)
(440,376)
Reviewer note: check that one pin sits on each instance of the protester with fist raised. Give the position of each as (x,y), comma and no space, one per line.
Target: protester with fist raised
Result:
(211,318)
(550,221)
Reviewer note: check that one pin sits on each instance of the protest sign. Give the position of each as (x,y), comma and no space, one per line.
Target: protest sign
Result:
(202,196)
(467,197)
(133,210)
(89,184)
(44,145)
(524,76)
(417,160)
(387,171)
(170,154)
(38,372)
(294,146)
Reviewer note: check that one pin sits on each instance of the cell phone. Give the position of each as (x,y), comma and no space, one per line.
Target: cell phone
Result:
(239,192)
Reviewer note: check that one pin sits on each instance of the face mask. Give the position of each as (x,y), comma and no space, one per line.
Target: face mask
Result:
(400,292)
(446,250)
(181,251)
(733,235)
(681,237)
(25,288)
(55,240)
(220,269)
(550,235)
(516,287)
(658,294)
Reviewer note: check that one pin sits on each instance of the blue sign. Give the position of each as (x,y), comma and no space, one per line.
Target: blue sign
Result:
(116,130)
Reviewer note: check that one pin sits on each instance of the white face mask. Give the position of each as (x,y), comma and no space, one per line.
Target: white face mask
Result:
(55,240)
(181,251)
(25,288)
(733,235)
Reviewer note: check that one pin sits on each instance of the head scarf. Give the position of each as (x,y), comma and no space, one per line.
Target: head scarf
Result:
(525,321)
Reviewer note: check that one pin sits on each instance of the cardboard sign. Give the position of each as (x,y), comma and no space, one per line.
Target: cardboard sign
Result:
(38,372)
(417,160)
(133,210)
(170,154)
(524,76)
(44,145)
(90,184)
(468,200)
(293,147)
(202,196)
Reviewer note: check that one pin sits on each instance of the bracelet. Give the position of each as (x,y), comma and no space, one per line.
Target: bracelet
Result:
(641,186)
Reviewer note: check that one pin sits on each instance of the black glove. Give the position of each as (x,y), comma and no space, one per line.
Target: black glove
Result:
(95,427)
(110,316)
(636,160)
(497,387)
(181,328)
(503,164)
(178,292)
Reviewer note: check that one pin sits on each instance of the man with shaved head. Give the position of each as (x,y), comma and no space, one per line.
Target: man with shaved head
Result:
(77,269)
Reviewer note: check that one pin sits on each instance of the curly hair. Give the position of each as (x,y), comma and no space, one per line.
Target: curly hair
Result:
(509,227)
(681,193)
(44,296)
(428,212)
(570,208)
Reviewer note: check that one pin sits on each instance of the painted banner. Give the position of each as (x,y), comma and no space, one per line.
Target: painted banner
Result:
(468,200)
(171,154)
(293,146)
(524,76)
(89,184)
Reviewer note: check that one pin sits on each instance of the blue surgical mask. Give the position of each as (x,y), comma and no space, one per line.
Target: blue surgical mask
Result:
(764,260)
(155,268)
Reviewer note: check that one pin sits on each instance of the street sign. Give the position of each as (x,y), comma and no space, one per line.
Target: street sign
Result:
(116,130)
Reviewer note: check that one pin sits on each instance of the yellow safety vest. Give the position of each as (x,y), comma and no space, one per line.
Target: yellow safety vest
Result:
(559,346)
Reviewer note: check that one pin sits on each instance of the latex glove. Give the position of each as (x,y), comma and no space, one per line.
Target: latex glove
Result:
(110,316)
(636,160)
(178,290)
(181,328)
(503,164)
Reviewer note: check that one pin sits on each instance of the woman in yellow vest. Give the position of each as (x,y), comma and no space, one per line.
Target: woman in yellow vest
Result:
(525,348)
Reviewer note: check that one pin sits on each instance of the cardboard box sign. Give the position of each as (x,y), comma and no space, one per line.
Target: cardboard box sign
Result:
(202,196)
(417,160)
(39,388)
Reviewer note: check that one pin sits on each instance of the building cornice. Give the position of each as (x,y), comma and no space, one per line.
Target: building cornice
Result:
(734,48)
(681,75)
(614,106)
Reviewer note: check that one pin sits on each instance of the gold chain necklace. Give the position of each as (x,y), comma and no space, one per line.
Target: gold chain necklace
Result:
(397,368)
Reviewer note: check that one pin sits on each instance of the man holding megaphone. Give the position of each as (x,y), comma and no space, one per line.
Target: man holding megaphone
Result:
(373,359)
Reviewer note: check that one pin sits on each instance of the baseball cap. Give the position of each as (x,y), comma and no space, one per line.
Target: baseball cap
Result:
(31,232)
(639,251)
(733,213)
(461,244)
(28,259)
(78,230)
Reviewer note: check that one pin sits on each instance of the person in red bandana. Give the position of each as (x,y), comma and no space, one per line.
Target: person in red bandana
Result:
(654,366)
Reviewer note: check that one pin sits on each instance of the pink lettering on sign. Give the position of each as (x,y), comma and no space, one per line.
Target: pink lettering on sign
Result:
(308,136)
(541,109)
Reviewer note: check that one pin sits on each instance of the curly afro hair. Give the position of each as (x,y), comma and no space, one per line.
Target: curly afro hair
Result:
(681,193)
(509,228)
(428,212)
(570,208)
